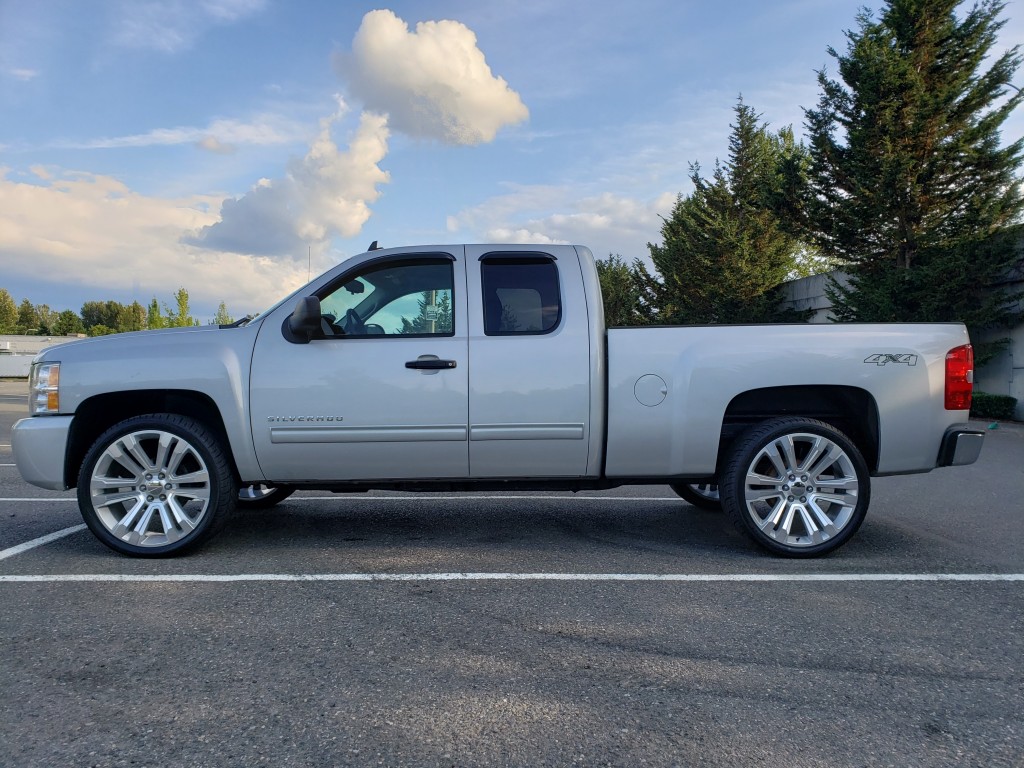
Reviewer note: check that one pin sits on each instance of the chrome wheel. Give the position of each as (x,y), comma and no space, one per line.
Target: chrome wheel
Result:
(255,492)
(707,491)
(798,486)
(150,488)
(703,495)
(262,496)
(801,489)
(156,485)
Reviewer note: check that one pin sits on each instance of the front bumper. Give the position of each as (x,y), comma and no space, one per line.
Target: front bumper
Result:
(40,446)
(960,446)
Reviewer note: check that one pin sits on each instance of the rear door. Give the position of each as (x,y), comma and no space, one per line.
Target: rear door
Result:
(529,360)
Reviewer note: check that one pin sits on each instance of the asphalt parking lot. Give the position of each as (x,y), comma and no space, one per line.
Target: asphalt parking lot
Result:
(620,628)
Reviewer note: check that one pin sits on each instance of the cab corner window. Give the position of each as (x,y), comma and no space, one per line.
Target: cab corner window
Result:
(412,297)
(520,295)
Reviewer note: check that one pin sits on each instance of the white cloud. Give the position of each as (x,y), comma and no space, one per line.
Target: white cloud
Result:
(433,82)
(23,74)
(505,235)
(95,233)
(262,130)
(606,223)
(232,10)
(172,25)
(215,145)
(324,194)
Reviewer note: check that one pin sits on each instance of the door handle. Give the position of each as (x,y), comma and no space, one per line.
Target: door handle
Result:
(430,365)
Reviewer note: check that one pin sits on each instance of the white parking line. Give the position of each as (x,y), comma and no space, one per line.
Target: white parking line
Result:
(625,577)
(470,497)
(42,498)
(459,497)
(12,551)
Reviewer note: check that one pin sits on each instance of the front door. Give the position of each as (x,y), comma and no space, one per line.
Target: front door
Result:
(381,392)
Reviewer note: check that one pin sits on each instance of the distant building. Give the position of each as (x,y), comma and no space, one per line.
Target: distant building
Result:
(16,352)
(809,293)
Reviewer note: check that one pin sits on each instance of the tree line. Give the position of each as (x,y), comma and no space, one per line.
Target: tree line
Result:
(904,186)
(98,318)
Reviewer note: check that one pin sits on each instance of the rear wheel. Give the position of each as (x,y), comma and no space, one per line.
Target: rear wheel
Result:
(797,487)
(703,495)
(156,485)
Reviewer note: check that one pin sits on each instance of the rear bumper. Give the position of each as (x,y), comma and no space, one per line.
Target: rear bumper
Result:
(960,446)
(40,445)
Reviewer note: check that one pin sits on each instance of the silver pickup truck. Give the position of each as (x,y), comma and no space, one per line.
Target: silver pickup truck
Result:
(489,366)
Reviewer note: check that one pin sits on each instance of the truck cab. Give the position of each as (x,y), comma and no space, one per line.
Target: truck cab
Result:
(457,362)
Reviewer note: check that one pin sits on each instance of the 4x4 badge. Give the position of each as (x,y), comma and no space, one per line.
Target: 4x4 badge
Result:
(882,359)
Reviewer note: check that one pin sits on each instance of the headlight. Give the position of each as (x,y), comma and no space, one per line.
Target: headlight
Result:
(44,388)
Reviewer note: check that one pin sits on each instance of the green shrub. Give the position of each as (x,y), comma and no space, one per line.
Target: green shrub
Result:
(986,406)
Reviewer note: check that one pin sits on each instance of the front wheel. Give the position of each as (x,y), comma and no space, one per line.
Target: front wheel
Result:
(798,487)
(262,496)
(156,485)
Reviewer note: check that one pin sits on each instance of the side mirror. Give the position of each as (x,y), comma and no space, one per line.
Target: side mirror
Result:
(304,321)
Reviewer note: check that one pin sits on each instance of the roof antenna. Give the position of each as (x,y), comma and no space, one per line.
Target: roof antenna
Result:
(373,246)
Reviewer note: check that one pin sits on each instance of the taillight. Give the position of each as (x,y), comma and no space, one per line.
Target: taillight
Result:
(959,378)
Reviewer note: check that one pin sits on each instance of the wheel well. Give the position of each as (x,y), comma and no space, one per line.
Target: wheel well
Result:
(851,410)
(97,414)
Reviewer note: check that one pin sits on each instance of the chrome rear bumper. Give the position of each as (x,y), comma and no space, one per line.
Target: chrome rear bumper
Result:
(960,446)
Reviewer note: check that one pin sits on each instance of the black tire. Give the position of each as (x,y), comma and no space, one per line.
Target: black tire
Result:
(156,485)
(703,495)
(262,496)
(815,487)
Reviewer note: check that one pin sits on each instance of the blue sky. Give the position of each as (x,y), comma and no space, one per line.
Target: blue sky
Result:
(217,144)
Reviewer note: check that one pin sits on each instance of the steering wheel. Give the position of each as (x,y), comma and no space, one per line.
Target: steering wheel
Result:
(354,326)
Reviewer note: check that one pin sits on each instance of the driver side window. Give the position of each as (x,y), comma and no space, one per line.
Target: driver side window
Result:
(397,298)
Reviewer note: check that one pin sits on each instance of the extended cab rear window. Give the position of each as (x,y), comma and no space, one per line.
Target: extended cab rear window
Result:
(520,295)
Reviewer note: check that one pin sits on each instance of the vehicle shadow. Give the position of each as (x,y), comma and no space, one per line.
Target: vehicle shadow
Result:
(530,529)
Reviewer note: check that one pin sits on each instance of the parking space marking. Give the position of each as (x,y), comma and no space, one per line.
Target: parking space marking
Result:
(12,551)
(460,497)
(42,498)
(623,577)
(469,496)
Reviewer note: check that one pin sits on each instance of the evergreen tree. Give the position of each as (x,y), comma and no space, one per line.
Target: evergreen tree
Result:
(622,291)
(729,245)
(8,312)
(28,319)
(434,317)
(67,323)
(154,318)
(909,185)
(135,316)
